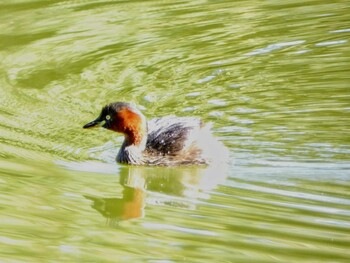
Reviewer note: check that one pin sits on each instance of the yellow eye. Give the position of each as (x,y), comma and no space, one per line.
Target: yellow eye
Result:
(108,117)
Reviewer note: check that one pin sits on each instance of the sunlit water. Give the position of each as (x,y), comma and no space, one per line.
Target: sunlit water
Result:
(272,76)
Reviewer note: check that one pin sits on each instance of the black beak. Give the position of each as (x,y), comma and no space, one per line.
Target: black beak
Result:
(94,123)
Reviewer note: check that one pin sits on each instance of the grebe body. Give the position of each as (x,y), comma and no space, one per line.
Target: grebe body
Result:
(166,141)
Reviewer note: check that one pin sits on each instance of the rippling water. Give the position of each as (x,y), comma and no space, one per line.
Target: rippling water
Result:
(272,76)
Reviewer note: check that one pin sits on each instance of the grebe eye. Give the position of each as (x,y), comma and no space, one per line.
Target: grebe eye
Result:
(108,117)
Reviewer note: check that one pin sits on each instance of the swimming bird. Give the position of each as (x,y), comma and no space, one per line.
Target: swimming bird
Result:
(165,141)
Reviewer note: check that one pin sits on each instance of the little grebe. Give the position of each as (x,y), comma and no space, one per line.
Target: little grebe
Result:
(166,141)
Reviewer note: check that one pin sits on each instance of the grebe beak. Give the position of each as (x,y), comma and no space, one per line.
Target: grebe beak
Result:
(95,123)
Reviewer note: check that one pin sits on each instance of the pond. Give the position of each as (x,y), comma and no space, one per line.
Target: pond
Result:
(271,76)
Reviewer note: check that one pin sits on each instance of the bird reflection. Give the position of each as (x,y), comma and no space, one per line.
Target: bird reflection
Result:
(164,186)
(129,206)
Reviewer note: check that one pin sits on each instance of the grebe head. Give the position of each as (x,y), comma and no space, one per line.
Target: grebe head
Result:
(122,117)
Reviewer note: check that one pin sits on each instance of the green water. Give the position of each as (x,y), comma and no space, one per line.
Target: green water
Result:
(272,76)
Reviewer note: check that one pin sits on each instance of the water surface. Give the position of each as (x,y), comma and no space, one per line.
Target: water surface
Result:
(272,76)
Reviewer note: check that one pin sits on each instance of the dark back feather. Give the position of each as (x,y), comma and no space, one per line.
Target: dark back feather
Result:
(168,135)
